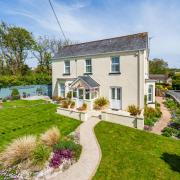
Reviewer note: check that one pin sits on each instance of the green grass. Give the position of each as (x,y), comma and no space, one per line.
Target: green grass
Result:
(131,154)
(15,122)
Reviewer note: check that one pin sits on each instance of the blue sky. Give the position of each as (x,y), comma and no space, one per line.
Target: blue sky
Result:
(85,20)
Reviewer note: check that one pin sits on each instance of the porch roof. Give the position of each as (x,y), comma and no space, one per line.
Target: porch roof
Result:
(91,83)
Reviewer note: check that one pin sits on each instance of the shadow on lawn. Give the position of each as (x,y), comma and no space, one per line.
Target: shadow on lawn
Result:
(173,160)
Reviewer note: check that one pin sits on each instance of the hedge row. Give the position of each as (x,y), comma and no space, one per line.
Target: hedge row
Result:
(6,81)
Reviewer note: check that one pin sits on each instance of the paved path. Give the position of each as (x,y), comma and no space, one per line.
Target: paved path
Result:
(165,118)
(90,157)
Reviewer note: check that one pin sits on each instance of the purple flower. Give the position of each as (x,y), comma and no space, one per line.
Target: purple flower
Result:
(58,157)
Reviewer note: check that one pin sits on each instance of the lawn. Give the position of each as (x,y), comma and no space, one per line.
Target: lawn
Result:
(133,154)
(31,117)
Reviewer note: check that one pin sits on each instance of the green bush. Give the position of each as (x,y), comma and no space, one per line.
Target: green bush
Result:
(134,110)
(167,131)
(72,104)
(33,78)
(65,104)
(40,155)
(149,122)
(69,144)
(15,94)
(150,112)
(69,95)
(4,100)
(171,104)
(101,103)
(65,144)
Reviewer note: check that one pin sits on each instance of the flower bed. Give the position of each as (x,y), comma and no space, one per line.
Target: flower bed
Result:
(151,116)
(31,157)
(173,129)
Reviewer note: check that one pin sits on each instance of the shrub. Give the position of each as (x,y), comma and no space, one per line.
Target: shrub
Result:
(24,95)
(157,105)
(20,149)
(149,122)
(151,113)
(100,103)
(40,155)
(168,132)
(57,98)
(83,107)
(65,104)
(145,100)
(15,94)
(69,95)
(59,156)
(51,137)
(65,145)
(171,104)
(4,100)
(134,110)
(72,104)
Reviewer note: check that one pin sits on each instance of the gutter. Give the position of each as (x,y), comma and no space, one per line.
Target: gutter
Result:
(138,79)
(114,52)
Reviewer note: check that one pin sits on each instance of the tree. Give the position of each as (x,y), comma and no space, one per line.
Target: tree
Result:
(45,49)
(15,44)
(158,66)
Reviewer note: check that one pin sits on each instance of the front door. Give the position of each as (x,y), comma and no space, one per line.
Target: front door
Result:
(80,97)
(115,98)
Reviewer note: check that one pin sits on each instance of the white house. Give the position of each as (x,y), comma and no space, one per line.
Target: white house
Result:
(115,68)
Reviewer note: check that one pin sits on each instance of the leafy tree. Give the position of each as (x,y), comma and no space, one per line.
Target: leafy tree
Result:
(158,66)
(45,49)
(15,44)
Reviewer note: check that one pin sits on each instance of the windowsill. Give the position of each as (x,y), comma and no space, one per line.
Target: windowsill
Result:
(114,73)
(150,102)
(66,74)
(90,73)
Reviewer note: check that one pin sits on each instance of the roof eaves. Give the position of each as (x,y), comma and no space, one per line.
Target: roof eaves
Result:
(113,52)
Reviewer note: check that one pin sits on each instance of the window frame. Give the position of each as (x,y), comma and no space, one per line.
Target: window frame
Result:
(65,66)
(150,86)
(62,90)
(86,66)
(115,64)
(85,91)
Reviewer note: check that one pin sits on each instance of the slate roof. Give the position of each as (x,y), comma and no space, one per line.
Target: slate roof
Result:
(161,77)
(123,43)
(88,80)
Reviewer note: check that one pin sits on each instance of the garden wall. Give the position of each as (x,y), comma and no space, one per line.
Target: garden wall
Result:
(122,118)
(82,116)
(32,90)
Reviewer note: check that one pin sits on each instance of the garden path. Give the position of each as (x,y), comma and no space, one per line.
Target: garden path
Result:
(90,157)
(165,118)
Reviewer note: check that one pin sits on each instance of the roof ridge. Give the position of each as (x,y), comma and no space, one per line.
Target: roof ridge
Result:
(129,35)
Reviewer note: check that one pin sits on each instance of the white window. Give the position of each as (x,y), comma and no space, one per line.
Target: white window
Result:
(115,65)
(88,66)
(66,67)
(62,90)
(150,93)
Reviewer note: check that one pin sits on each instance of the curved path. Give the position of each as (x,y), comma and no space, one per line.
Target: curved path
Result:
(90,157)
(165,118)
